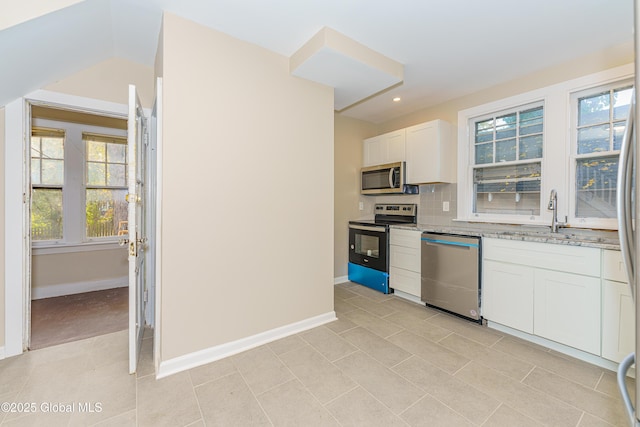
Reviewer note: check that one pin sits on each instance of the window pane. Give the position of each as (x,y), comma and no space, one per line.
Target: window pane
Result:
(116,175)
(531,147)
(506,150)
(513,189)
(116,153)
(484,131)
(618,134)
(594,109)
(106,212)
(52,172)
(35,171)
(52,148)
(46,214)
(593,139)
(96,151)
(531,121)
(484,153)
(621,102)
(506,126)
(596,180)
(96,174)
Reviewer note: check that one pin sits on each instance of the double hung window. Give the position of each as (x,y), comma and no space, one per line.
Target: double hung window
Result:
(507,161)
(47,179)
(600,116)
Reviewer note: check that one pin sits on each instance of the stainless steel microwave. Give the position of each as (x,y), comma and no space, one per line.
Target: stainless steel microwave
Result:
(385,179)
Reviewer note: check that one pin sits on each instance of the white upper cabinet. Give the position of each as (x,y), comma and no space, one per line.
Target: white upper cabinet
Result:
(431,153)
(386,148)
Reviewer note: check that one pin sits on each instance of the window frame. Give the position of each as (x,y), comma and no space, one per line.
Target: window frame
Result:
(574,96)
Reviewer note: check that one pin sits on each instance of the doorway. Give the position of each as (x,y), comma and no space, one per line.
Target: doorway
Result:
(78,171)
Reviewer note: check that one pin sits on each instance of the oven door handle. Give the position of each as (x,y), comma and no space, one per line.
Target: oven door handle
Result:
(367,228)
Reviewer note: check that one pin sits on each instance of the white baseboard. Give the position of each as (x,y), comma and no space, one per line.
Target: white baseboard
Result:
(39,292)
(408,297)
(341,279)
(208,355)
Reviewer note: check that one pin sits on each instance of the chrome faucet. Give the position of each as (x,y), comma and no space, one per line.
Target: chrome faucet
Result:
(553,206)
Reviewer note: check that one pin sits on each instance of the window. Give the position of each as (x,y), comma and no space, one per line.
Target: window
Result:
(507,161)
(106,185)
(600,116)
(47,180)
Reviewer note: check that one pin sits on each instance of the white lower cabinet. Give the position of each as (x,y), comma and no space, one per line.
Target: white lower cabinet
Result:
(567,309)
(507,295)
(552,291)
(618,326)
(404,261)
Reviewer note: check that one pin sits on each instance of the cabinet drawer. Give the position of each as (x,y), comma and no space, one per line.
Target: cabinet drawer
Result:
(406,238)
(406,258)
(570,259)
(405,281)
(613,266)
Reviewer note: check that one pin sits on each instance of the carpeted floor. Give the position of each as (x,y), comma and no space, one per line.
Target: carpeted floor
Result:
(74,317)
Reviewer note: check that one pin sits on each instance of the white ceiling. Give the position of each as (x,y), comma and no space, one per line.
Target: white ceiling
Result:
(449,48)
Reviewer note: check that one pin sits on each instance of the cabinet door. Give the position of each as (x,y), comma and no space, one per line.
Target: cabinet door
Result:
(405,281)
(372,151)
(430,153)
(394,142)
(567,309)
(406,258)
(507,295)
(618,325)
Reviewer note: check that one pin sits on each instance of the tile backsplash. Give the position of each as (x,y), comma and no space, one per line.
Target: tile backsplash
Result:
(429,202)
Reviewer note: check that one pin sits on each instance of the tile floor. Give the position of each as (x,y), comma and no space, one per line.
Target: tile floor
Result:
(385,362)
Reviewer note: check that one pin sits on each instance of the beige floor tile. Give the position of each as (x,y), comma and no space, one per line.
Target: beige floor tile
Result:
(212,371)
(359,408)
(417,326)
(573,369)
(38,419)
(14,372)
(228,401)
(468,401)
(170,401)
(599,404)
(128,419)
(505,416)
(419,311)
(261,369)
(373,323)
(322,378)
(609,384)
(105,349)
(380,349)
(379,309)
(342,307)
(531,402)
(111,387)
(589,420)
(341,325)
(283,345)
(290,404)
(370,293)
(466,328)
(340,292)
(328,343)
(430,412)
(385,385)
(501,362)
(433,353)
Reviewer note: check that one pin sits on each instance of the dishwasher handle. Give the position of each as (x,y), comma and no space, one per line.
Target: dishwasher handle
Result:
(448,243)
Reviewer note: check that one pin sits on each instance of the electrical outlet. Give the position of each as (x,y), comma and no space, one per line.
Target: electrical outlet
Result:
(445,206)
(361,206)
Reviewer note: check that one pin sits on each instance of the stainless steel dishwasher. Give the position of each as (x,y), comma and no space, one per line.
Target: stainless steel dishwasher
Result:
(451,273)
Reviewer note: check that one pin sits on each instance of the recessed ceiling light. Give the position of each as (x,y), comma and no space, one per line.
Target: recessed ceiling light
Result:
(396,99)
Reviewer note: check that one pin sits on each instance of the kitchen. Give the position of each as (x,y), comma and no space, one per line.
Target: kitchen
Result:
(345,127)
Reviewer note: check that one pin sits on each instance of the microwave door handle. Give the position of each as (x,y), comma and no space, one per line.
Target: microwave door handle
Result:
(391,171)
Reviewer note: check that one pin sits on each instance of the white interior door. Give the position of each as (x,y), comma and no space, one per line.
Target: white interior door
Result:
(137,140)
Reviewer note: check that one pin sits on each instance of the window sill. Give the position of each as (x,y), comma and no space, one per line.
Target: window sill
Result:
(65,248)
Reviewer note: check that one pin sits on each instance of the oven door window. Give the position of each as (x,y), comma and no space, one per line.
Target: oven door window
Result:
(368,245)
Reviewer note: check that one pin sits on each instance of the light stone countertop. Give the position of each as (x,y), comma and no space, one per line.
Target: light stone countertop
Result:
(602,239)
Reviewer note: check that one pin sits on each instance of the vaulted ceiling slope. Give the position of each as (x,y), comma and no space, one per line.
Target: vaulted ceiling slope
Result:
(449,48)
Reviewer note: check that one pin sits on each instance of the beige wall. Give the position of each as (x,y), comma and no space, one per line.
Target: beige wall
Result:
(247,200)
(78,267)
(348,135)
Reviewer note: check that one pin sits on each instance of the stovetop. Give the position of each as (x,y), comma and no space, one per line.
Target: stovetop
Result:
(390,214)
